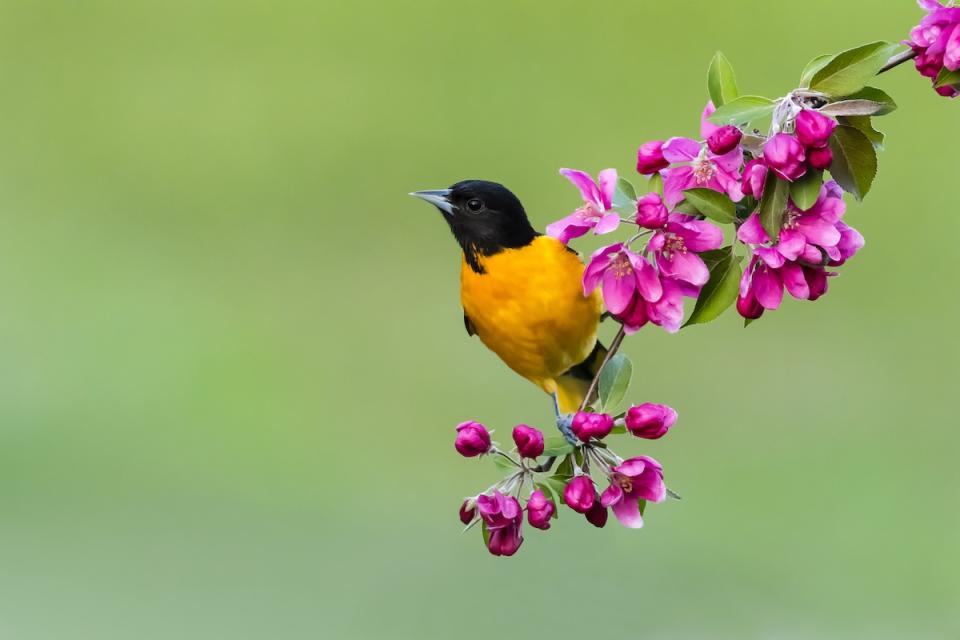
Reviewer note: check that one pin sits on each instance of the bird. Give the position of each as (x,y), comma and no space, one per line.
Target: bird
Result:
(521,292)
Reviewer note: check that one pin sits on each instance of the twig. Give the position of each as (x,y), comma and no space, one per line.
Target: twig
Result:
(612,351)
(898,59)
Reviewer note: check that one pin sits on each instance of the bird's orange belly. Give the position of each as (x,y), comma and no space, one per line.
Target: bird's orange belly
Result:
(528,307)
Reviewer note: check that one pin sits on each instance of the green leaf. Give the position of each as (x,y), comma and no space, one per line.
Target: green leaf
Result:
(946,78)
(624,196)
(556,446)
(614,381)
(773,204)
(721,289)
(486,534)
(721,81)
(685,207)
(565,468)
(656,183)
(618,429)
(805,191)
(852,108)
(713,204)
(854,160)
(813,66)
(875,95)
(557,484)
(643,506)
(865,125)
(850,70)
(743,110)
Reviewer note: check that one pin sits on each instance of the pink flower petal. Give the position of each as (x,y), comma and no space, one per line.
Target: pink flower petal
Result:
(818,231)
(618,286)
(751,231)
(681,149)
(608,222)
(675,181)
(593,274)
(791,244)
(707,128)
(628,513)
(770,256)
(688,267)
(951,57)
(611,495)
(767,287)
(584,182)
(795,281)
(699,235)
(566,229)
(648,281)
(608,184)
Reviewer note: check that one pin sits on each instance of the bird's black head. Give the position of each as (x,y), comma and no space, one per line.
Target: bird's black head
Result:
(485,218)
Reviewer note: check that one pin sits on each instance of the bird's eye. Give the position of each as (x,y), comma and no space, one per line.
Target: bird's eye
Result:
(475,205)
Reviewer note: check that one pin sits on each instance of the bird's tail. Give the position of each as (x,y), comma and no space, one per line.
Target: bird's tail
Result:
(573,384)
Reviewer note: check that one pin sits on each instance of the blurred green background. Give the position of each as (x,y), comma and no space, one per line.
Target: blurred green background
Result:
(233,353)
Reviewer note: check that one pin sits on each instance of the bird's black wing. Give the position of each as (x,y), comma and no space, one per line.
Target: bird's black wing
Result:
(471,330)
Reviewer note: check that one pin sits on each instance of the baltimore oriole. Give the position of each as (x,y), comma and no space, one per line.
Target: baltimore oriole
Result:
(521,291)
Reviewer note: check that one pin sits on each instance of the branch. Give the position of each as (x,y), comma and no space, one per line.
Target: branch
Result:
(898,59)
(612,351)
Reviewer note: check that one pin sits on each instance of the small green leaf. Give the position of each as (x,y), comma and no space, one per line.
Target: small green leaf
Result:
(805,191)
(614,381)
(773,204)
(685,207)
(743,110)
(565,468)
(557,484)
(643,506)
(721,81)
(875,95)
(656,183)
(624,196)
(946,78)
(713,204)
(721,289)
(854,160)
(618,429)
(556,446)
(813,66)
(850,70)
(486,534)
(865,125)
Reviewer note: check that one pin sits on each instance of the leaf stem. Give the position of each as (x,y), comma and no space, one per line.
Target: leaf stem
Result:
(898,59)
(612,351)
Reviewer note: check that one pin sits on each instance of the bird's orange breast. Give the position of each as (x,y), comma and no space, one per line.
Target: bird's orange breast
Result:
(528,307)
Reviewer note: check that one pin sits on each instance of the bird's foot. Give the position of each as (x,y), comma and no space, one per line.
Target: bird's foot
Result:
(564,423)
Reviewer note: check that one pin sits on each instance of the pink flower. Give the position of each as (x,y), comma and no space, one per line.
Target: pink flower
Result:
(650,158)
(620,272)
(636,479)
(504,520)
(820,158)
(595,212)
(696,166)
(937,41)
(677,244)
(539,510)
(529,441)
(651,212)
(785,155)
(597,515)
(754,175)
(587,425)
(813,128)
(650,420)
(724,140)
(580,494)
(473,439)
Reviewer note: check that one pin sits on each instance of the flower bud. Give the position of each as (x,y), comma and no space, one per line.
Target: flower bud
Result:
(579,494)
(468,510)
(820,158)
(635,315)
(650,420)
(591,425)
(539,510)
(472,440)
(749,307)
(724,140)
(785,156)
(650,158)
(529,441)
(754,175)
(816,281)
(504,519)
(597,515)
(814,129)
(651,212)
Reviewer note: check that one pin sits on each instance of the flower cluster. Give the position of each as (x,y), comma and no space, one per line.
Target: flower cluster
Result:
(630,483)
(936,43)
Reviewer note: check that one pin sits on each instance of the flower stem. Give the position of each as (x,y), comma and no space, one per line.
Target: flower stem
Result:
(612,351)
(898,59)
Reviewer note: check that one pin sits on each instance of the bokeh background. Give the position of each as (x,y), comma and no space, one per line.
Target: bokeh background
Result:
(233,355)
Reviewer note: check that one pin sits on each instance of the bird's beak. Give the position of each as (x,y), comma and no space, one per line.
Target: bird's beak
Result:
(436,197)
